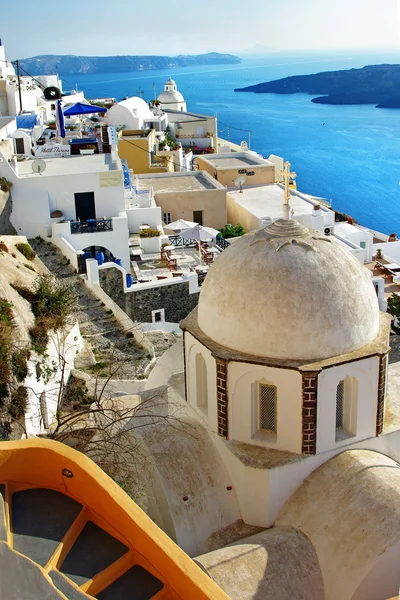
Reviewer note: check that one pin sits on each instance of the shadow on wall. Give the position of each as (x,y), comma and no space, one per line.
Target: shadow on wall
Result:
(5,212)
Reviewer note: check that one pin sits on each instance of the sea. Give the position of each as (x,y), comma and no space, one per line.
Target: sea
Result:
(349,155)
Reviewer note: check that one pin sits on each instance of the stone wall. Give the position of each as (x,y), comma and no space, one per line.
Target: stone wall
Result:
(138,305)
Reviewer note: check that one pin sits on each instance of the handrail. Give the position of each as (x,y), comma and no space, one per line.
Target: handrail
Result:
(91,226)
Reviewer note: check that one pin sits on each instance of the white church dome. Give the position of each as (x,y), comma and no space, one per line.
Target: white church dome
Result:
(288,292)
(172,96)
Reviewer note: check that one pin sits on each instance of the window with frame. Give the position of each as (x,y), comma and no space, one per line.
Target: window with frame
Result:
(267,408)
(201,382)
(167,218)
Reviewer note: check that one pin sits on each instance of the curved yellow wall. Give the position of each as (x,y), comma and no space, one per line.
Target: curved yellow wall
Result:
(40,463)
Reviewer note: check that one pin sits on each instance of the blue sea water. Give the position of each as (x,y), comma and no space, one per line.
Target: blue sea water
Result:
(347,154)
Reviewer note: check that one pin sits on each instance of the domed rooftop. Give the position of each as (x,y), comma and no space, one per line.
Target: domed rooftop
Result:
(135,104)
(288,292)
(170,97)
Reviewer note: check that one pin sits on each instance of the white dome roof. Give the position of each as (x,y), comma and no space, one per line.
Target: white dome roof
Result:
(171,97)
(288,292)
(135,104)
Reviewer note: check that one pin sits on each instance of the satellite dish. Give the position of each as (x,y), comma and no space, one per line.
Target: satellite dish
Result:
(38,166)
(239,181)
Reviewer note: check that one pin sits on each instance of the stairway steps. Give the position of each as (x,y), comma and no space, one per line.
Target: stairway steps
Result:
(66,587)
(40,519)
(93,551)
(136,583)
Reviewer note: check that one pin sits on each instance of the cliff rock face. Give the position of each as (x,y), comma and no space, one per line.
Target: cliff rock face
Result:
(76,65)
(377,84)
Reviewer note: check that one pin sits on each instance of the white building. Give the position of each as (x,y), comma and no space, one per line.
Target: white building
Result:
(285,425)
(254,207)
(77,201)
(171,98)
(134,113)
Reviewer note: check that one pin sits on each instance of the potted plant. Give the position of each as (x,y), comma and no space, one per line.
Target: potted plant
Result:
(379,253)
(150,240)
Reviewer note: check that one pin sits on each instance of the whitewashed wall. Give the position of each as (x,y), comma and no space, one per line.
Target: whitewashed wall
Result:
(117,240)
(138,216)
(243,382)
(366,373)
(68,347)
(34,197)
(192,348)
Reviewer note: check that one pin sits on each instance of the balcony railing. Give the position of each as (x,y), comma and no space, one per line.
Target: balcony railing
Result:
(222,242)
(91,226)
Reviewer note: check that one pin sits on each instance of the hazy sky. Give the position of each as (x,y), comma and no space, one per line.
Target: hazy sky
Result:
(171,27)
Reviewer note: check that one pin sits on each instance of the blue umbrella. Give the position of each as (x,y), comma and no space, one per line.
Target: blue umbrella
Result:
(83,109)
(60,124)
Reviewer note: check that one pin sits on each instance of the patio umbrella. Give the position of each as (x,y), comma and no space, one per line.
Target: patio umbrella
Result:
(199,233)
(60,124)
(83,109)
(179,226)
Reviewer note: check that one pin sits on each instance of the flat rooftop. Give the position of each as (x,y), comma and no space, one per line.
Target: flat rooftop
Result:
(70,165)
(267,201)
(195,181)
(236,160)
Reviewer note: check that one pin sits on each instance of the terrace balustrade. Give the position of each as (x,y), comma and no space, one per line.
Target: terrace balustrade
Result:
(91,226)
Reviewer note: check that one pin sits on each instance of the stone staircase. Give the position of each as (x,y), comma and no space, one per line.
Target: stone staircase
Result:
(109,344)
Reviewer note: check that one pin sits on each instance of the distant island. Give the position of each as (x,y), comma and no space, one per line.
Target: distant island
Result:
(376,84)
(85,65)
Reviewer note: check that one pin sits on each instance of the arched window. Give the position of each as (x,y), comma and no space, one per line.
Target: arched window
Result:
(346,408)
(201,382)
(267,407)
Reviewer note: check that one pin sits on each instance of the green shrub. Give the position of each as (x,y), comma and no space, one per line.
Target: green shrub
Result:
(19,402)
(5,185)
(19,364)
(39,338)
(146,233)
(26,250)
(6,327)
(232,231)
(53,302)
(6,313)
(29,267)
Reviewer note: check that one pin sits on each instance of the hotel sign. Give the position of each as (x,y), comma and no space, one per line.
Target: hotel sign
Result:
(51,150)
(110,179)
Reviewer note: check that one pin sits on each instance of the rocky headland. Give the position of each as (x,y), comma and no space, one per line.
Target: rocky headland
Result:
(376,84)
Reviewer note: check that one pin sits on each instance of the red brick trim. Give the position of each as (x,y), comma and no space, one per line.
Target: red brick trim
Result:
(380,413)
(185,369)
(310,391)
(222,397)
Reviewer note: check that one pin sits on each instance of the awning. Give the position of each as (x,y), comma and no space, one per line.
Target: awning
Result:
(26,121)
(83,109)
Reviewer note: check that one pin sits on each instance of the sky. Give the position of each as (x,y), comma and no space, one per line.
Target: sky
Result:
(174,27)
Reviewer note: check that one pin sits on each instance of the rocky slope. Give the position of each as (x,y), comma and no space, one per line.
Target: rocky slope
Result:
(377,84)
(75,65)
